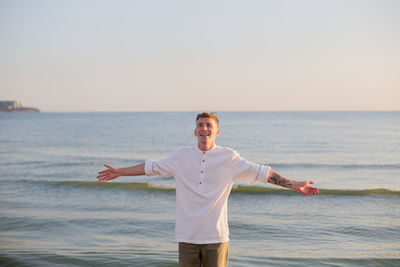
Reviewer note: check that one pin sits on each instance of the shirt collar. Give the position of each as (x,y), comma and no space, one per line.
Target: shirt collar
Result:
(201,151)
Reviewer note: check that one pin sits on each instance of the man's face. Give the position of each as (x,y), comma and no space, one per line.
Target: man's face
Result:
(206,130)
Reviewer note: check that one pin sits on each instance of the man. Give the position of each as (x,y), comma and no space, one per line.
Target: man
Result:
(204,175)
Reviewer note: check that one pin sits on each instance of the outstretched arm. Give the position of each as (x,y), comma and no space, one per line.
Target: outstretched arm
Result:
(302,187)
(112,173)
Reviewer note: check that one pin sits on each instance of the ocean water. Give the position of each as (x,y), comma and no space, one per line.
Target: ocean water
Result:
(53,212)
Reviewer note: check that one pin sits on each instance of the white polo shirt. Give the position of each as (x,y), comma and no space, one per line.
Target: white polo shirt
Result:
(203,181)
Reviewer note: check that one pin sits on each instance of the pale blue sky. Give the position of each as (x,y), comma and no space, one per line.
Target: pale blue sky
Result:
(99,55)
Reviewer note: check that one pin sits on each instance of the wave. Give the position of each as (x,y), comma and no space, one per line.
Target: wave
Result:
(341,192)
(77,161)
(113,185)
(74,163)
(333,166)
(236,189)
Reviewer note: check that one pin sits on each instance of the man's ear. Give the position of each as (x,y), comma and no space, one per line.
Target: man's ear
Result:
(218,132)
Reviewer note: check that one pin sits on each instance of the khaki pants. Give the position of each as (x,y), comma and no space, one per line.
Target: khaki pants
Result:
(205,255)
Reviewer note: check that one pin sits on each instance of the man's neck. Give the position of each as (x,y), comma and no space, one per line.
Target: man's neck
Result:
(205,146)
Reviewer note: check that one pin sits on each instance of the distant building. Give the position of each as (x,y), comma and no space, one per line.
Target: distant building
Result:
(15,106)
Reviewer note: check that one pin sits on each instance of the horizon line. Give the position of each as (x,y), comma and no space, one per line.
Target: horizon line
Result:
(189,111)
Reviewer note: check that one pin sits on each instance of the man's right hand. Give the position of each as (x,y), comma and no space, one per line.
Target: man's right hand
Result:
(109,174)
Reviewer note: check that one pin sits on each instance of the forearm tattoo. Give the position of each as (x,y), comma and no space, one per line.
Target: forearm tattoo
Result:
(277,179)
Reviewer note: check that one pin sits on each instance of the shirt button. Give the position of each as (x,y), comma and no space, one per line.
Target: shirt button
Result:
(200,183)
(204,152)
(201,171)
(204,160)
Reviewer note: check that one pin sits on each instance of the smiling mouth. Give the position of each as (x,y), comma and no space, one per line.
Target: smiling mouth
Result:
(204,134)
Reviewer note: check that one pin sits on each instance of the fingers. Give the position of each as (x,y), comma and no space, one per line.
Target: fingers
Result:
(309,190)
(105,175)
(108,166)
(104,178)
(313,190)
(103,172)
(307,183)
(100,176)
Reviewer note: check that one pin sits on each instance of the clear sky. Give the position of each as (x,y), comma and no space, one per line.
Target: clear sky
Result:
(73,55)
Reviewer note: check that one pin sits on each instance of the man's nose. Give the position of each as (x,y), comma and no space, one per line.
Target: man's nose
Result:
(204,127)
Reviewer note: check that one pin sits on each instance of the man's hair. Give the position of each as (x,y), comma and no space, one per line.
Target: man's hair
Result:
(208,115)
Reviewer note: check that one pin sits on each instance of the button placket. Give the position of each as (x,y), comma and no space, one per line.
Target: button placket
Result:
(202,167)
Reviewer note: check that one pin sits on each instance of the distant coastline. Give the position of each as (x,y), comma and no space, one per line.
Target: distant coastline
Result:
(15,106)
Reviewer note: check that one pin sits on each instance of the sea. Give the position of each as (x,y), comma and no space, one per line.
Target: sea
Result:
(54,212)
